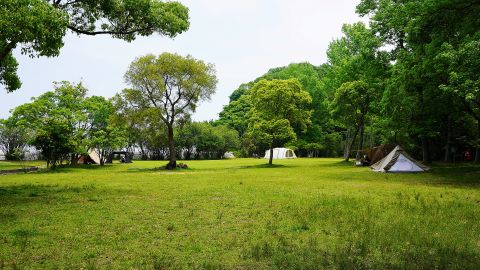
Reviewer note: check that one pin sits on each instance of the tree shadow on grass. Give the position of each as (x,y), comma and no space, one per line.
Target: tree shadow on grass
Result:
(464,175)
(266,166)
(158,169)
(72,168)
(53,194)
(341,164)
(440,175)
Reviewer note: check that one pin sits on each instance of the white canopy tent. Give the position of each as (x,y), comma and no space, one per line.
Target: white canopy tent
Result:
(398,161)
(280,153)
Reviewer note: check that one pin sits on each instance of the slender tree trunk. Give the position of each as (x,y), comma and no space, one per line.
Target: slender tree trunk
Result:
(74,159)
(270,161)
(350,145)
(447,147)
(360,143)
(347,140)
(425,150)
(102,158)
(172,164)
(477,152)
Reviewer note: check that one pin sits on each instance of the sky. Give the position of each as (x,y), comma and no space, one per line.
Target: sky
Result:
(243,39)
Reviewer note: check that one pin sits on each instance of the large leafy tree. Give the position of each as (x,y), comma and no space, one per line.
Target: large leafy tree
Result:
(54,140)
(138,124)
(65,124)
(172,85)
(13,138)
(354,80)
(104,135)
(235,114)
(428,41)
(66,105)
(205,140)
(351,106)
(38,26)
(309,77)
(277,107)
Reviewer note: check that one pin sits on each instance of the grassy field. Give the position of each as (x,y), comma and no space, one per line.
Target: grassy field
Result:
(239,214)
(12,165)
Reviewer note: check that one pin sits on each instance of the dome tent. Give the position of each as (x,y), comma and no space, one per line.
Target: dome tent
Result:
(280,153)
(228,155)
(398,161)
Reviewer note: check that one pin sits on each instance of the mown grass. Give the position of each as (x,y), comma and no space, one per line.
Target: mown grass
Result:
(239,214)
(13,165)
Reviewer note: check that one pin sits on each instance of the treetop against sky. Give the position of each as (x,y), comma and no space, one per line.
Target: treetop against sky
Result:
(244,39)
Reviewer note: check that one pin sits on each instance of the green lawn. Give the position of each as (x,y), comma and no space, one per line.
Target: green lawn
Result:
(239,214)
(12,165)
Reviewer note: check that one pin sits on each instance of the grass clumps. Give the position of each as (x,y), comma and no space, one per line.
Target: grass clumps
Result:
(236,214)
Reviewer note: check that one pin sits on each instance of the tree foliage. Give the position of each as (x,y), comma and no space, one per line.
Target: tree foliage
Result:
(39,26)
(428,41)
(65,124)
(172,85)
(13,138)
(202,140)
(277,107)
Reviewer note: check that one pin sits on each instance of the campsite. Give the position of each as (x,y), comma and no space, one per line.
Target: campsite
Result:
(243,135)
(240,214)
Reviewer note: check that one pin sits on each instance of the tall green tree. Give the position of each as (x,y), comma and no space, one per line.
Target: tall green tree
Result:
(425,38)
(277,107)
(54,140)
(351,106)
(354,80)
(463,65)
(173,85)
(235,114)
(103,136)
(66,104)
(84,123)
(12,138)
(38,26)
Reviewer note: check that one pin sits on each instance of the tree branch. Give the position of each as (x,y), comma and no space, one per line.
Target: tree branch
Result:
(93,33)
(6,50)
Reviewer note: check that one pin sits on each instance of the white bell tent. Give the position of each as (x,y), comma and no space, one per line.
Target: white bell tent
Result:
(398,161)
(280,153)
(94,156)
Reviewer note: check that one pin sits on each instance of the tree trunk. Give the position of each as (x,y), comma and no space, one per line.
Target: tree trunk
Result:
(350,145)
(270,161)
(347,139)
(360,143)
(477,152)
(448,155)
(74,159)
(425,150)
(102,158)
(172,164)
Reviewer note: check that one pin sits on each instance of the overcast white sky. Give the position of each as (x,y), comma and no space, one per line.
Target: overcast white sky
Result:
(243,38)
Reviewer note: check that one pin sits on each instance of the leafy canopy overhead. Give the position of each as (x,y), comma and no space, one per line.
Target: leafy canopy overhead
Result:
(38,26)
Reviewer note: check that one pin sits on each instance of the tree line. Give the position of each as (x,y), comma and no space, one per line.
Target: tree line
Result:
(409,78)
